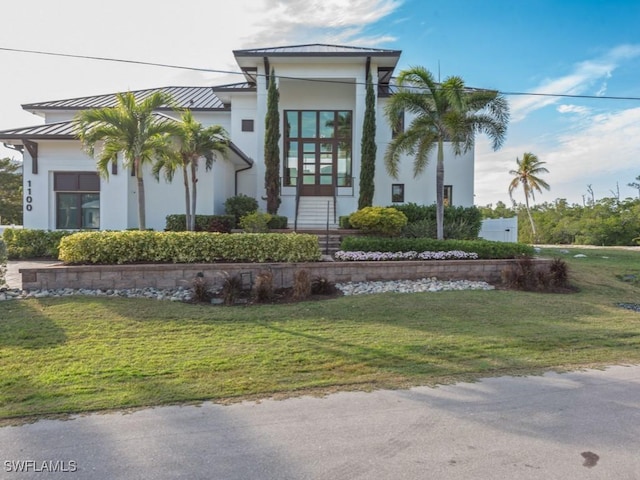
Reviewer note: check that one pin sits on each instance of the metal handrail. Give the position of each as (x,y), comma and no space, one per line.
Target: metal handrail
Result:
(295,219)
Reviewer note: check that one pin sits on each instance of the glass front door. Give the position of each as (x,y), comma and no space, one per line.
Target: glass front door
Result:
(315,143)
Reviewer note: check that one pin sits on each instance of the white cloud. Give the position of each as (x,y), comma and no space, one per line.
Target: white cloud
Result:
(193,33)
(576,109)
(578,81)
(602,152)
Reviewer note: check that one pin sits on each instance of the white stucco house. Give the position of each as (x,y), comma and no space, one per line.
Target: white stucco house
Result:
(322,104)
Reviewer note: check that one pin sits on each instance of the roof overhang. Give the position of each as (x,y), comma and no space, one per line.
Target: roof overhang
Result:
(249,60)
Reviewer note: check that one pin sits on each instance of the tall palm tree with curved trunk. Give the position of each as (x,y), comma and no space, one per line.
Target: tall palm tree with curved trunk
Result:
(441,112)
(131,129)
(193,142)
(527,175)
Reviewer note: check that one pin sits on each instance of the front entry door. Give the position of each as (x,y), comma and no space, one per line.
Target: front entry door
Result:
(317,168)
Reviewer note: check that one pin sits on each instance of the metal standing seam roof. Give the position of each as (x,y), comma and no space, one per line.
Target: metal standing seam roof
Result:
(193,98)
(57,130)
(67,130)
(316,49)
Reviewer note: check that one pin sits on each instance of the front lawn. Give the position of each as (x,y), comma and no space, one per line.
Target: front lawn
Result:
(83,354)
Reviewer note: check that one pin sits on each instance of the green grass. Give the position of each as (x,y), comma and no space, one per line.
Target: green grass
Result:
(84,354)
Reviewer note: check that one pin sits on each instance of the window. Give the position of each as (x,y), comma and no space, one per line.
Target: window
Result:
(247,125)
(397,193)
(77,200)
(448,195)
(398,127)
(317,146)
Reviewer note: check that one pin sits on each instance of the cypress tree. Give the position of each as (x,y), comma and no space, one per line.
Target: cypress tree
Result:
(271,149)
(368,149)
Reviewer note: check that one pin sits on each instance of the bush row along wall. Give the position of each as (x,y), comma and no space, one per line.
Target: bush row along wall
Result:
(177,275)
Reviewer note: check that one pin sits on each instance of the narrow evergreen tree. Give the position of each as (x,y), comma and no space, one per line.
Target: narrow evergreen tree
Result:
(368,154)
(271,149)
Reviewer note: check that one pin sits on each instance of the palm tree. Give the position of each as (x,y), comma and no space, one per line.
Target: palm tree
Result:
(132,129)
(442,112)
(193,143)
(527,175)
(636,185)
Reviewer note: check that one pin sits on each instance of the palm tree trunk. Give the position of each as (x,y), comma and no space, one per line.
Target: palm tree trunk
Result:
(533,227)
(440,192)
(194,193)
(142,220)
(185,178)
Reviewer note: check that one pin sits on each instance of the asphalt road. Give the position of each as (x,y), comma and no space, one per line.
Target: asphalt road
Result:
(580,425)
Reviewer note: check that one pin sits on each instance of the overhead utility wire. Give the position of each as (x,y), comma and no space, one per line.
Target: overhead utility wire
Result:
(231,72)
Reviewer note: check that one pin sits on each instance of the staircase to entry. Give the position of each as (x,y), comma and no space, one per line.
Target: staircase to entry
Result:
(312,213)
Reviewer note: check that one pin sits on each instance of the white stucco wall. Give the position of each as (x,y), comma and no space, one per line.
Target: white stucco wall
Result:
(118,193)
(67,156)
(458,171)
(347,91)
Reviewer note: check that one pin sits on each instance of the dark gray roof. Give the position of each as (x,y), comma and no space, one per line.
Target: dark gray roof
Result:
(316,49)
(193,98)
(58,130)
(67,131)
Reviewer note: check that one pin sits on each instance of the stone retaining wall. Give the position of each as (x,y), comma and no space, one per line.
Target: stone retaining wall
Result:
(176,275)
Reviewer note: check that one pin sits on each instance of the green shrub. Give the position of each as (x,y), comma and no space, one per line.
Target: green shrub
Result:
(343,221)
(256,222)
(204,223)
(187,247)
(485,249)
(416,213)
(460,223)
(239,206)
(420,229)
(3,263)
(378,220)
(24,243)
(278,222)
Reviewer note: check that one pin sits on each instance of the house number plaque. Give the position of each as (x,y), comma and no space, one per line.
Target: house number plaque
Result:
(29,199)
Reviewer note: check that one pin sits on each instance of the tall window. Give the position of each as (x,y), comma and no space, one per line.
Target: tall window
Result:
(317,147)
(77,200)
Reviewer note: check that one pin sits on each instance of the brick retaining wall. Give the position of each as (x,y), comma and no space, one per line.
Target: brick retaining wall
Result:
(175,275)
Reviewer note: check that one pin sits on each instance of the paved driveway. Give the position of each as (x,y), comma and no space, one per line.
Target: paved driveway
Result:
(581,425)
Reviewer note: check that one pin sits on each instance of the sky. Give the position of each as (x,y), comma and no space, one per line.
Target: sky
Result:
(588,48)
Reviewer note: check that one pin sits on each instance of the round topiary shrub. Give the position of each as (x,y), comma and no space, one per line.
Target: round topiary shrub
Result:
(239,206)
(386,221)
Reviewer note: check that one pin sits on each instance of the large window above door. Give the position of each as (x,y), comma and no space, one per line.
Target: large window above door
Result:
(317,146)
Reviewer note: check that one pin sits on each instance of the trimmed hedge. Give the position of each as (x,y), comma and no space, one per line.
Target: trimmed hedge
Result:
(24,243)
(378,220)
(485,249)
(204,223)
(187,247)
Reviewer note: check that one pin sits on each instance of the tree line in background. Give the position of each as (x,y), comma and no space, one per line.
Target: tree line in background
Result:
(608,221)
(10,192)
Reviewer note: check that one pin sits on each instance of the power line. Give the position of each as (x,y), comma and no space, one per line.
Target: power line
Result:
(317,80)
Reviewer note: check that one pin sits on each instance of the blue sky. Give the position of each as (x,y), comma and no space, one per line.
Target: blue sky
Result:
(584,47)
